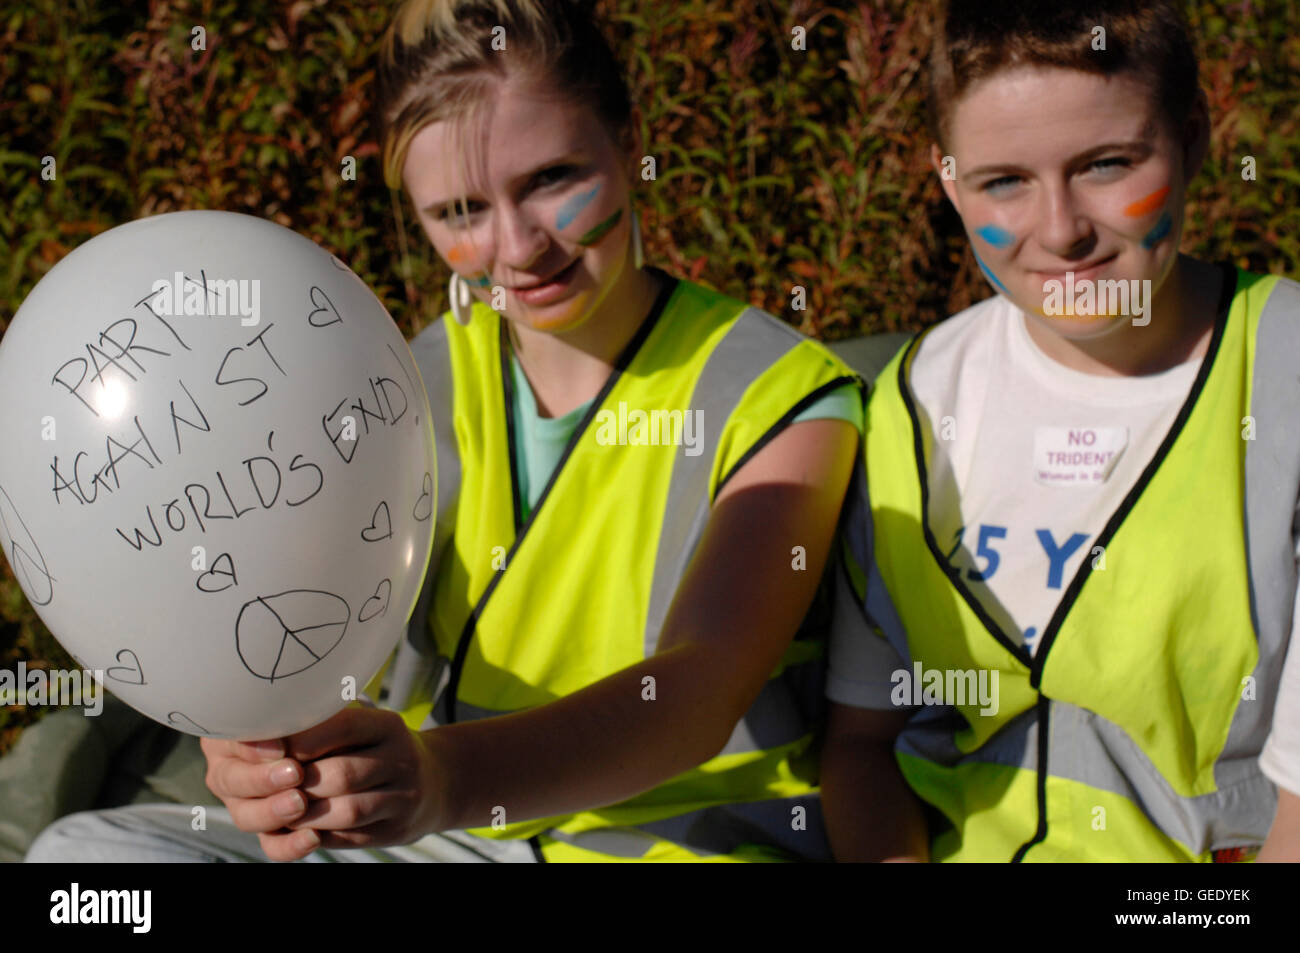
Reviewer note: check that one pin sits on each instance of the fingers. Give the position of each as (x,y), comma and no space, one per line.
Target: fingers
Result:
(291,846)
(261,796)
(271,750)
(296,845)
(261,815)
(350,811)
(340,823)
(230,777)
(350,728)
(348,774)
(344,783)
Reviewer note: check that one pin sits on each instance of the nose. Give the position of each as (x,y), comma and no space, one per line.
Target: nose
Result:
(1064,228)
(520,239)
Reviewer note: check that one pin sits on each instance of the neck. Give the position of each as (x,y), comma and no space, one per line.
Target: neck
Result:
(1181,319)
(568,368)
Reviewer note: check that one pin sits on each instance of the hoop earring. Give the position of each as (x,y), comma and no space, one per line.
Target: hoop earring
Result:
(461,302)
(638,252)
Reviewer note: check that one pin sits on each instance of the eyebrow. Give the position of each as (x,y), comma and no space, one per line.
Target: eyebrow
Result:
(569,158)
(1132,146)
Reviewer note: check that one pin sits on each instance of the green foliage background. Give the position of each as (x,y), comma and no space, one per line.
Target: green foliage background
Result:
(775,166)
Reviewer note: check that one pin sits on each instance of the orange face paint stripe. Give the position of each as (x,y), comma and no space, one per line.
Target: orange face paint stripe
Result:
(1149,204)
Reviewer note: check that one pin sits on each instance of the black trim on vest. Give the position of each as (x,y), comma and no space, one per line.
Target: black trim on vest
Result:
(952,572)
(620,365)
(1044,706)
(508,391)
(535,842)
(807,401)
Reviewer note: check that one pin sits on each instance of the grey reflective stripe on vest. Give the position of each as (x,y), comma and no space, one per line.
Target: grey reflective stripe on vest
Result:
(416,669)
(755,341)
(1272,476)
(719,830)
(874,616)
(868,356)
(1086,748)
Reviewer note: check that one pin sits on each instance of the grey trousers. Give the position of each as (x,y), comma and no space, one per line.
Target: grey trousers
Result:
(164,833)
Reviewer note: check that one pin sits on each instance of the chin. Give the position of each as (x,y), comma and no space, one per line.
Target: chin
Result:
(566,315)
(1082,328)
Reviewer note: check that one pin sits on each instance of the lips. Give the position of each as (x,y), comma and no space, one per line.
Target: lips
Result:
(558,276)
(1078,271)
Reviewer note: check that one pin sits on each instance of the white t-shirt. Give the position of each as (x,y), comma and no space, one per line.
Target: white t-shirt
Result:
(1029,471)
(1025,474)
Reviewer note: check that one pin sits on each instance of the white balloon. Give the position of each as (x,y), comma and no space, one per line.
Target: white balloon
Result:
(216,471)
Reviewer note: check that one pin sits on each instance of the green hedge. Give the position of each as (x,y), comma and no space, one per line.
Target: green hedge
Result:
(775,166)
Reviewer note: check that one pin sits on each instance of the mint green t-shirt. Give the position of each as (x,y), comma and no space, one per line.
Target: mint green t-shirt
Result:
(540,441)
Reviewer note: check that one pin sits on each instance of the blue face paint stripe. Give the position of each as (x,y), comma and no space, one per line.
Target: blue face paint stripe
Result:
(1161,229)
(570,209)
(989,274)
(995,236)
(479,282)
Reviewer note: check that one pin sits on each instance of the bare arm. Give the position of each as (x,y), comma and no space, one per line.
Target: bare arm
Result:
(1283,843)
(871,813)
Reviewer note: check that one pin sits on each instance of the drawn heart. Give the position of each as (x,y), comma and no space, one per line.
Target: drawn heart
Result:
(132,669)
(373,533)
(209,583)
(184,722)
(425,503)
(377,604)
(321,308)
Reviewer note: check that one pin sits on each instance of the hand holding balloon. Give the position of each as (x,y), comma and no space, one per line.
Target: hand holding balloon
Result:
(368,781)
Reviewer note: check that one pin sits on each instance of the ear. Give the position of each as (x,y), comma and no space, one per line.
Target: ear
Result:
(1196,137)
(949,185)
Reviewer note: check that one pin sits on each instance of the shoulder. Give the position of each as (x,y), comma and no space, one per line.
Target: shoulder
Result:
(967,333)
(726,338)
(744,321)
(953,358)
(1276,292)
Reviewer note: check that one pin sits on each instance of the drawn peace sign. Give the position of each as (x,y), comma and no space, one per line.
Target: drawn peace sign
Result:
(289,632)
